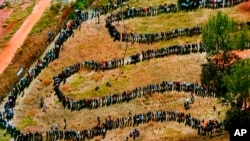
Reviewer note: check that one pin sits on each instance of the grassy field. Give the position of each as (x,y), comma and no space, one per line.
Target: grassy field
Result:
(85,46)
(139,3)
(93,42)
(20,11)
(186,69)
(178,20)
(2,137)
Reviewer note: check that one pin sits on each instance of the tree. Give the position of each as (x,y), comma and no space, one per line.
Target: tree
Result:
(242,37)
(237,81)
(218,35)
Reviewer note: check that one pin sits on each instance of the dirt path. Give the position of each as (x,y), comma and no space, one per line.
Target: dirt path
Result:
(18,38)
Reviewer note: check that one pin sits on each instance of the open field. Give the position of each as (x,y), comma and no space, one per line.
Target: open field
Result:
(178,20)
(18,11)
(129,77)
(93,42)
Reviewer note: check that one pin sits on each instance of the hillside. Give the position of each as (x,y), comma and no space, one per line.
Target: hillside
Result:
(92,42)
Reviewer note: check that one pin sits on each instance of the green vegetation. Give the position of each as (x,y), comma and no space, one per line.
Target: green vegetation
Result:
(48,18)
(118,84)
(238,81)
(220,35)
(4,138)
(77,81)
(18,16)
(27,121)
(217,34)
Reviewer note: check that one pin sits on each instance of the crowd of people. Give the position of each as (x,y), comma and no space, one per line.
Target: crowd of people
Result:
(131,12)
(210,4)
(127,95)
(18,89)
(196,47)
(67,31)
(149,38)
(203,127)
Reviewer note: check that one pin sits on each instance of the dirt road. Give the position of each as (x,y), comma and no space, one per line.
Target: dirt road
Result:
(18,38)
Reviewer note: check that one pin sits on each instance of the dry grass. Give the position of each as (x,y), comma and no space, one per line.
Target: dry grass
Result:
(177,20)
(31,113)
(139,3)
(28,100)
(46,81)
(187,68)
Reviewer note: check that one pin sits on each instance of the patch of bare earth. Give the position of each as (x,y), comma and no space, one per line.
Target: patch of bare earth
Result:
(245,7)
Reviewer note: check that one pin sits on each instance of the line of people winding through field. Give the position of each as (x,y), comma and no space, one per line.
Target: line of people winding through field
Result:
(146,55)
(127,95)
(203,127)
(68,31)
(149,11)
(149,38)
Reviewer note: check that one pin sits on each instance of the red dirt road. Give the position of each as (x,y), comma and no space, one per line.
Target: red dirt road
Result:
(18,38)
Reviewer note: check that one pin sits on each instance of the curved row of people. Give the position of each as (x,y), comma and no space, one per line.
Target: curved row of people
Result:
(127,95)
(131,12)
(195,4)
(196,47)
(203,127)
(149,38)
(108,7)
(51,54)
(66,31)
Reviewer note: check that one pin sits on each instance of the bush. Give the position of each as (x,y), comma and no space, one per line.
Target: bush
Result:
(56,7)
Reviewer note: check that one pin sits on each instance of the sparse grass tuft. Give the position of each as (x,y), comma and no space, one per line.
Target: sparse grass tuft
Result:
(66,88)
(31,113)
(27,121)
(28,100)
(97,77)
(150,123)
(77,81)
(46,81)
(4,138)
